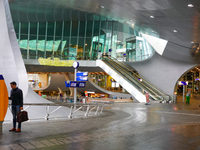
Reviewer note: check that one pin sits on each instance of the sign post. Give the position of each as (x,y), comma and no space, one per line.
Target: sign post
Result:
(75,65)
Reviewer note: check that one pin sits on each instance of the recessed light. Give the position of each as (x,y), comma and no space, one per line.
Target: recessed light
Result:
(192,42)
(175,31)
(102,6)
(151,16)
(190,5)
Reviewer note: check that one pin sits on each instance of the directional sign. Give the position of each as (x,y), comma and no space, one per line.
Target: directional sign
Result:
(82,74)
(82,78)
(74,84)
(81,84)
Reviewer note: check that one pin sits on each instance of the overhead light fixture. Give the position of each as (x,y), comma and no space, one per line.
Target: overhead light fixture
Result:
(192,42)
(151,16)
(190,5)
(102,6)
(175,31)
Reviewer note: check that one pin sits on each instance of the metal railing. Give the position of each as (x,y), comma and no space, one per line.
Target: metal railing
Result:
(86,108)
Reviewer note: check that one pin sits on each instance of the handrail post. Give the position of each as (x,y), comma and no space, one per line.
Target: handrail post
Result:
(71,112)
(47,110)
(97,110)
(102,108)
(87,111)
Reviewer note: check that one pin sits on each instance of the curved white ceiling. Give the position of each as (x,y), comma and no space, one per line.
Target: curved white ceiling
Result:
(168,15)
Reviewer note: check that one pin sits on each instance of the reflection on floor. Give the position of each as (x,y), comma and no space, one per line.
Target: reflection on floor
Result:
(122,126)
(194,100)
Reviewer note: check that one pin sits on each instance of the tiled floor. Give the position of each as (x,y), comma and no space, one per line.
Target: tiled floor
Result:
(123,126)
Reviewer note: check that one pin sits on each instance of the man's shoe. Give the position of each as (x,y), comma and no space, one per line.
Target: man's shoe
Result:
(13,129)
(18,130)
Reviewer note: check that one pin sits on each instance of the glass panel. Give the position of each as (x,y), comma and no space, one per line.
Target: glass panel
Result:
(114,41)
(82,29)
(131,31)
(80,49)
(74,29)
(139,50)
(65,48)
(89,29)
(72,50)
(87,48)
(67,28)
(108,37)
(41,39)
(50,40)
(33,40)
(24,39)
(95,46)
(59,29)
(58,40)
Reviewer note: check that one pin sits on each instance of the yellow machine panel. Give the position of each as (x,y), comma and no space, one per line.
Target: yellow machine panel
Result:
(3,98)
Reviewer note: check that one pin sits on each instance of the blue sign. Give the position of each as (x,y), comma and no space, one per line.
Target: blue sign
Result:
(184,83)
(81,84)
(82,74)
(82,78)
(67,84)
(74,84)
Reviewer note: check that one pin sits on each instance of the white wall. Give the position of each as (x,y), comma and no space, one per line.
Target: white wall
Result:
(161,72)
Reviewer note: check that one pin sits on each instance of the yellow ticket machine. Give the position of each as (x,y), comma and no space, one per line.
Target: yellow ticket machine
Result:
(3,101)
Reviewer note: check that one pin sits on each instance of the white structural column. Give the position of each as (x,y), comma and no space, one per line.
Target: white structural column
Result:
(21,71)
(8,66)
(161,72)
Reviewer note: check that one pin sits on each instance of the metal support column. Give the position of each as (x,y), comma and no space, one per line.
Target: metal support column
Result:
(75,90)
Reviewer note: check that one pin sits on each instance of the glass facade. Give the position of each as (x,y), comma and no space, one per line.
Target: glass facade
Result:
(80,40)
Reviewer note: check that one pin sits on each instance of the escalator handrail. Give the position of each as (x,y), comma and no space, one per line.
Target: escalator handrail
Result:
(136,79)
(136,83)
(151,86)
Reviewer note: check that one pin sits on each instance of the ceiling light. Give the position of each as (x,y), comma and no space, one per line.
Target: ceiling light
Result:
(175,31)
(190,5)
(151,16)
(102,6)
(192,42)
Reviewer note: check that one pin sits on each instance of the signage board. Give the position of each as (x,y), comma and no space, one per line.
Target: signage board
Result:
(67,83)
(82,74)
(82,78)
(147,97)
(81,84)
(74,84)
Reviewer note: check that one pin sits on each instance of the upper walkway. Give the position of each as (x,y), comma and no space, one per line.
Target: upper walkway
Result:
(122,126)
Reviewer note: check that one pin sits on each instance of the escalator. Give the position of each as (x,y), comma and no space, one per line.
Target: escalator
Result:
(123,73)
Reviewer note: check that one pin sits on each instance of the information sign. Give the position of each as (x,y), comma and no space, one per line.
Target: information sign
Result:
(81,84)
(82,74)
(74,84)
(81,78)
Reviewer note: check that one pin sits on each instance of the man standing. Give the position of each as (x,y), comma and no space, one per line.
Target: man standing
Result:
(16,96)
